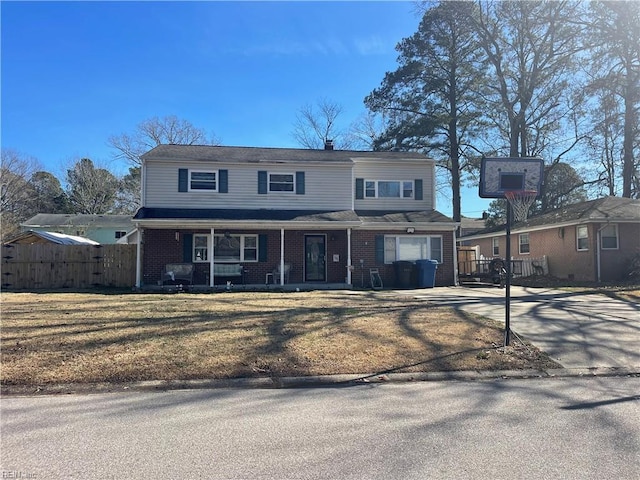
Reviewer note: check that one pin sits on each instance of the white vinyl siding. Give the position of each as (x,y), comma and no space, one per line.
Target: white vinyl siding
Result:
(326,187)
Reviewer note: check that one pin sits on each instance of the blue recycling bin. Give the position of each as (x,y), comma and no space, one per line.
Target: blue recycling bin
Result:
(426,273)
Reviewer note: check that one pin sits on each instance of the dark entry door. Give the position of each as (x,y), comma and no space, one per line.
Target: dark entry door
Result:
(315,253)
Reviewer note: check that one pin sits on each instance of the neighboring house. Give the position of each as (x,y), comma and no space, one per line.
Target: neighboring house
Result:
(587,241)
(472,225)
(104,229)
(31,237)
(289,215)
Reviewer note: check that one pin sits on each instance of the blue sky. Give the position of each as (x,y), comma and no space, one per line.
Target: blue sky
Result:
(74,73)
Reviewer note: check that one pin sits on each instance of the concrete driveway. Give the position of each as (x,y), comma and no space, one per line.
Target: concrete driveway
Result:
(576,330)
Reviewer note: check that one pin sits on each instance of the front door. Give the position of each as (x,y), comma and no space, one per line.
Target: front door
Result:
(315,253)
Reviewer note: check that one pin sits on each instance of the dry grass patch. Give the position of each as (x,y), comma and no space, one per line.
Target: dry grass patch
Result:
(87,337)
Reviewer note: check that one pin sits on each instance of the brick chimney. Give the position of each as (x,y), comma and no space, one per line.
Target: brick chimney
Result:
(328,144)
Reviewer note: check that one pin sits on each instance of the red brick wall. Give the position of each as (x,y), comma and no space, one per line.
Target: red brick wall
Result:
(161,247)
(559,244)
(363,247)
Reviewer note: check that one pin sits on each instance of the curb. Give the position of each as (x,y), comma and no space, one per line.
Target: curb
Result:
(325,381)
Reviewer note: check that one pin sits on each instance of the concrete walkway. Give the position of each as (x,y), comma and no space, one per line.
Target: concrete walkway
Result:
(576,330)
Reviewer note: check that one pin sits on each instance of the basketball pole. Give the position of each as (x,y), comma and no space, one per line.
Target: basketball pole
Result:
(507,283)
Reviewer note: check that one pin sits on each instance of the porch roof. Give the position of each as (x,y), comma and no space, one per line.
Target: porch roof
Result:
(229,214)
(155,216)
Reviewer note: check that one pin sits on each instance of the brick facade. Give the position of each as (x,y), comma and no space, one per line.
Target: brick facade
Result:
(559,244)
(161,247)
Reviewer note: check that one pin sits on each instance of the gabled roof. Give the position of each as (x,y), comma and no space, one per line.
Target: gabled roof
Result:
(213,153)
(45,220)
(31,237)
(601,210)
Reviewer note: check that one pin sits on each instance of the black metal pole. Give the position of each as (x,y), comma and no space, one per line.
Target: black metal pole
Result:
(507,282)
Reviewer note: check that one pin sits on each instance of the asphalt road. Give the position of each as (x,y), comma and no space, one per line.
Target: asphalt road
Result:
(551,428)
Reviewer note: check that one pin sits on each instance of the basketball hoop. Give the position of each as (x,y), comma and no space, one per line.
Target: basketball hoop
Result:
(521,201)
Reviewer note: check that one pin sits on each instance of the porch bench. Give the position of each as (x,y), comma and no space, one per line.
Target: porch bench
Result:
(228,270)
(178,273)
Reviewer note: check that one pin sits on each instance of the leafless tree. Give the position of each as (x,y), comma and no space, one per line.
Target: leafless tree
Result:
(16,193)
(315,126)
(156,131)
(91,190)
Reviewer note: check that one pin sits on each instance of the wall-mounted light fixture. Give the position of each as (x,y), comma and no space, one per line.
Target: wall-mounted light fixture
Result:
(410,229)
(177,236)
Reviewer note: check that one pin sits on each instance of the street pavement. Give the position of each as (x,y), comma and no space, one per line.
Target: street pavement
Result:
(546,428)
(577,330)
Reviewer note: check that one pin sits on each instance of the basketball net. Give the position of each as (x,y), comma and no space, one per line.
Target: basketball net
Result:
(521,201)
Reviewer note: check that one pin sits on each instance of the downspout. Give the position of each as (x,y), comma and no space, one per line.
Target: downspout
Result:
(212,280)
(349,266)
(455,258)
(139,258)
(598,242)
(282,256)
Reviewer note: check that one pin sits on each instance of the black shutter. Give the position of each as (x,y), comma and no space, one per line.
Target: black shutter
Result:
(223,181)
(262,182)
(183,180)
(417,184)
(262,247)
(300,183)
(379,249)
(187,247)
(359,188)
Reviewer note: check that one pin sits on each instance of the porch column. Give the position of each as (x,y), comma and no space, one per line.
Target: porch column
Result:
(211,269)
(349,266)
(282,256)
(139,258)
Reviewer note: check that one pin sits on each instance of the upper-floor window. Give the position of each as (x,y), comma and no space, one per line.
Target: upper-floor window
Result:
(226,248)
(582,237)
(203,180)
(388,189)
(412,247)
(609,237)
(523,243)
(120,234)
(495,243)
(281,182)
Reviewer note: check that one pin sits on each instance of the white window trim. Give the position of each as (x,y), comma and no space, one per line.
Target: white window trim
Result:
(210,245)
(401,189)
(617,237)
(429,246)
(495,246)
(578,238)
(293,176)
(203,189)
(520,252)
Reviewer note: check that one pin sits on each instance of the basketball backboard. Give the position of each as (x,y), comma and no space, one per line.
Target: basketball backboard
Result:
(500,175)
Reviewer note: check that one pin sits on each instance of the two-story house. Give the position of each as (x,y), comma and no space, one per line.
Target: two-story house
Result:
(289,215)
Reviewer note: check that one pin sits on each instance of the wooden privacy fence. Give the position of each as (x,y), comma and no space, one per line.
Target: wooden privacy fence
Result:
(48,266)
